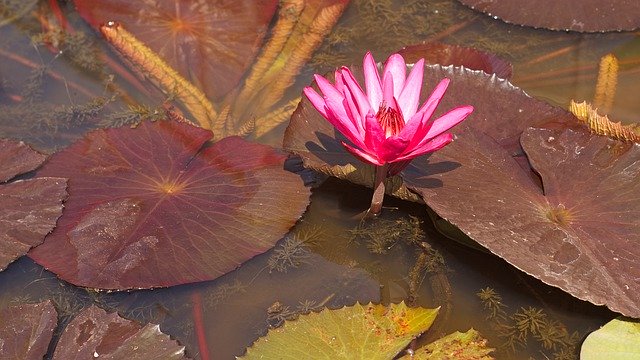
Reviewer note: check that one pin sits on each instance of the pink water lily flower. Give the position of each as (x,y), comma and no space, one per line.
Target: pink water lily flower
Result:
(384,124)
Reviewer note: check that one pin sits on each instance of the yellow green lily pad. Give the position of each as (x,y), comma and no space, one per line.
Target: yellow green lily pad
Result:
(458,345)
(619,339)
(358,332)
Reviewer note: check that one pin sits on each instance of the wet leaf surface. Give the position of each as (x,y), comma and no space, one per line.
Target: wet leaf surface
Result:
(156,206)
(26,330)
(579,235)
(95,334)
(358,332)
(29,208)
(209,43)
(483,184)
(576,15)
(445,54)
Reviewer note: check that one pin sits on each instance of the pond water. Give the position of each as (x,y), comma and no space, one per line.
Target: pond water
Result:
(329,259)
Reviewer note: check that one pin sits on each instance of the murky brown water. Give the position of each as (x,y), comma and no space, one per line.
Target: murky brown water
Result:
(335,266)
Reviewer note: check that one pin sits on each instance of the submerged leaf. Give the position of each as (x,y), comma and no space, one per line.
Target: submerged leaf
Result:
(29,208)
(601,125)
(155,206)
(357,332)
(96,334)
(619,339)
(209,43)
(576,15)
(26,330)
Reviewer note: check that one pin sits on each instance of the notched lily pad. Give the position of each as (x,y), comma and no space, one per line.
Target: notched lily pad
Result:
(357,332)
(209,43)
(155,206)
(94,334)
(579,239)
(445,54)
(579,235)
(26,330)
(30,207)
(619,339)
(575,15)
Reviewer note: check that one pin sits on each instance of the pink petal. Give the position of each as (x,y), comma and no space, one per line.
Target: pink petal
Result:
(374,134)
(395,68)
(434,98)
(410,95)
(391,148)
(372,81)
(328,90)
(360,98)
(316,100)
(431,146)
(447,121)
(339,81)
(353,113)
(367,158)
(387,93)
(338,117)
(419,123)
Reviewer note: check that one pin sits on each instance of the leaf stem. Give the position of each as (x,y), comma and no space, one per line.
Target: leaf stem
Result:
(378,190)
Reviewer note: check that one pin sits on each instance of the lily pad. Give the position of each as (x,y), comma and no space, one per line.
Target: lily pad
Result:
(209,43)
(26,330)
(619,339)
(31,207)
(483,184)
(156,206)
(96,334)
(456,55)
(575,15)
(580,234)
(357,332)
(460,346)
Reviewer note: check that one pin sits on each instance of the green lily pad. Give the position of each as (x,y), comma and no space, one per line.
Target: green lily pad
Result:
(619,339)
(357,332)
(458,345)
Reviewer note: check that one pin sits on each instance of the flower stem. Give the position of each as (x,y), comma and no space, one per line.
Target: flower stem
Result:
(378,190)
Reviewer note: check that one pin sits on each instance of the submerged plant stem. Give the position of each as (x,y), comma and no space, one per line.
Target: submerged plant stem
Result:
(198,322)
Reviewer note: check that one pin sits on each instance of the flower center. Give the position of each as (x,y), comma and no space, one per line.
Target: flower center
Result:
(390,120)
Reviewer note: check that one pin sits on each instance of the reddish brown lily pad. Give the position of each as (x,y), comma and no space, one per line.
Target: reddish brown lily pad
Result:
(209,43)
(29,208)
(476,184)
(154,206)
(575,15)
(580,235)
(26,330)
(94,334)
(445,54)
